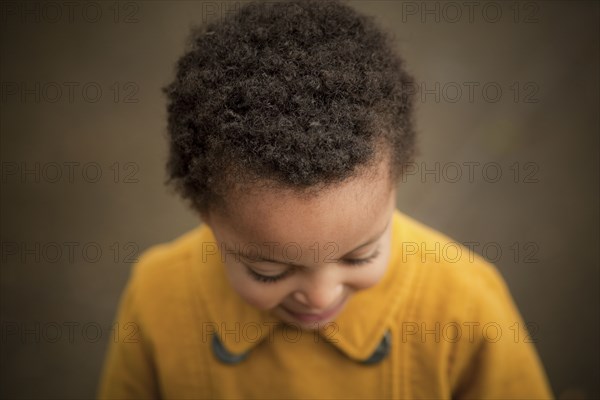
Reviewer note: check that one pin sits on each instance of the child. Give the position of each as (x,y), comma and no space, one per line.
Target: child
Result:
(289,126)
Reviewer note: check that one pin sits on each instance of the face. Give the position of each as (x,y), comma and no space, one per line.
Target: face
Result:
(302,259)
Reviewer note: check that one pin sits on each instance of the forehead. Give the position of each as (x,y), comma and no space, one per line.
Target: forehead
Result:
(345,213)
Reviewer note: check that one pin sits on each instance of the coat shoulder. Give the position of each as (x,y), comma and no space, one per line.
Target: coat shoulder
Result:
(159,281)
(453,276)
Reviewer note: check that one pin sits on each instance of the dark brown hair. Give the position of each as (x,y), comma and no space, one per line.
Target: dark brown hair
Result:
(297,94)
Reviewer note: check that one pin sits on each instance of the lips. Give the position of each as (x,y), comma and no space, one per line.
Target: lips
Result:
(315,317)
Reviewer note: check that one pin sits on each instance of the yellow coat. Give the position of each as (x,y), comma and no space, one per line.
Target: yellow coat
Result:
(438,325)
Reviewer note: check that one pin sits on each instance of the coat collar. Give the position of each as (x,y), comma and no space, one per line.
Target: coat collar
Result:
(239,326)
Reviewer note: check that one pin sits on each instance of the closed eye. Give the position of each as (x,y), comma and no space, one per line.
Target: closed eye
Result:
(274,278)
(362,261)
(266,278)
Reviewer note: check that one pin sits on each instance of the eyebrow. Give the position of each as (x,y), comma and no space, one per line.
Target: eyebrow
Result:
(266,259)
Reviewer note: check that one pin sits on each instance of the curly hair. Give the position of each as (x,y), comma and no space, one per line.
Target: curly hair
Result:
(300,95)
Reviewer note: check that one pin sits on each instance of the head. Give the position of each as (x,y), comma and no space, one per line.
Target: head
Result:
(289,127)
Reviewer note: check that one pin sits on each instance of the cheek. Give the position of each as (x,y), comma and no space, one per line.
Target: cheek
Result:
(263,296)
(369,275)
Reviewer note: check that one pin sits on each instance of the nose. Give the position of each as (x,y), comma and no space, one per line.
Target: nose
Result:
(319,294)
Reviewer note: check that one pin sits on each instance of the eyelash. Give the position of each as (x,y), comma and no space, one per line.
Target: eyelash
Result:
(271,279)
(362,261)
(266,279)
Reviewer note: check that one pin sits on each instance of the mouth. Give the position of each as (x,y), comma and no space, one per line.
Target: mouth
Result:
(317,317)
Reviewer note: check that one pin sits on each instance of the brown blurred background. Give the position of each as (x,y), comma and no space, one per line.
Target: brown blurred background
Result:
(506,88)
